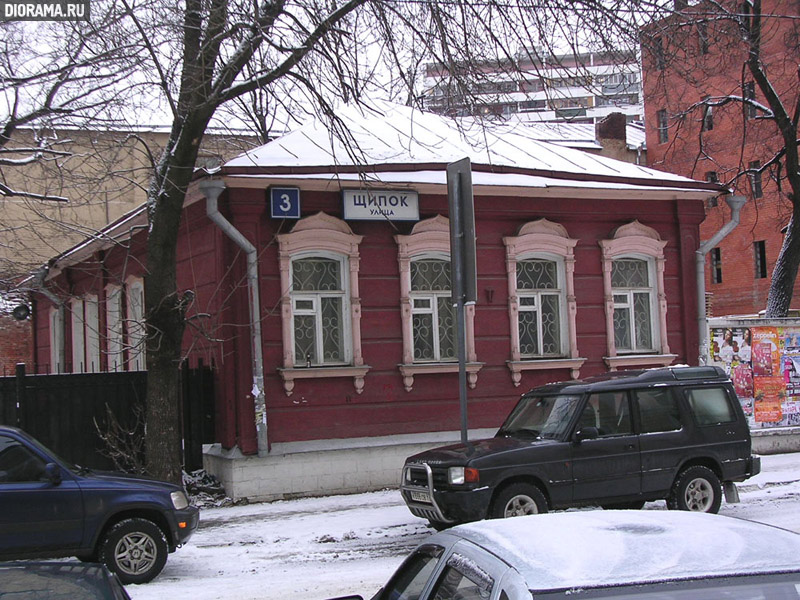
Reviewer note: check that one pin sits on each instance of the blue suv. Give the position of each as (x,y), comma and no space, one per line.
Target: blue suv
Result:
(50,508)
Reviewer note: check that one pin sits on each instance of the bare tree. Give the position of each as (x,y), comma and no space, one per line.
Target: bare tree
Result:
(734,62)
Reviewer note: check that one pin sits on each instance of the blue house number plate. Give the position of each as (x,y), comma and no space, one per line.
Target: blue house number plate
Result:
(284,203)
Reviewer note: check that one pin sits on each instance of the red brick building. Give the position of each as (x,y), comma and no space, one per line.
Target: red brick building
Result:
(695,77)
(344,256)
(16,343)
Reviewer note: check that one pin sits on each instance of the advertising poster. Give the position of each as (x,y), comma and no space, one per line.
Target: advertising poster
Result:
(765,355)
(770,393)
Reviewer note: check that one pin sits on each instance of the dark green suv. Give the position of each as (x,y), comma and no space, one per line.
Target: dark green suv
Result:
(615,440)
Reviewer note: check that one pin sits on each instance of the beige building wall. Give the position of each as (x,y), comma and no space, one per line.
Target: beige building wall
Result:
(97,175)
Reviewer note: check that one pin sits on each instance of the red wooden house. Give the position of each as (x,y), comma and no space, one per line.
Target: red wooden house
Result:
(585,264)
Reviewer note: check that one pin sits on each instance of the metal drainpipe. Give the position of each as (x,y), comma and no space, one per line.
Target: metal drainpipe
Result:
(735,203)
(212,188)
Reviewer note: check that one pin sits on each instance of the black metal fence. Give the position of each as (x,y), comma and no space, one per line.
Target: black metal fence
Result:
(66,412)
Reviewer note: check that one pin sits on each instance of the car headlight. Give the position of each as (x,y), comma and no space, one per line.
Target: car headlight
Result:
(462,475)
(179,500)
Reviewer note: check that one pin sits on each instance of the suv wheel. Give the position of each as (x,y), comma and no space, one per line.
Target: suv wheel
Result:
(696,489)
(518,499)
(134,549)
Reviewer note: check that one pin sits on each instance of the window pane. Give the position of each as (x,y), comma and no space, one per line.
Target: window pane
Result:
(641,314)
(304,305)
(420,303)
(304,340)
(332,329)
(455,584)
(309,274)
(423,336)
(658,410)
(629,273)
(17,463)
(430,274)
(447,328)
(527,301)
(410,579)
(536,275)
(551,325)
(528,334)
(711,406)
(622,329)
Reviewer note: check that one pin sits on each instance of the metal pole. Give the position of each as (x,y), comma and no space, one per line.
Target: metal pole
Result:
(458,293)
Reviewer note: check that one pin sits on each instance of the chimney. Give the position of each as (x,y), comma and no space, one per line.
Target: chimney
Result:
(611,127)
(612,136)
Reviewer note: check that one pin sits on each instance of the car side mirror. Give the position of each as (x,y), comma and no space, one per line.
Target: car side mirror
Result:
(587,433)
(53,473)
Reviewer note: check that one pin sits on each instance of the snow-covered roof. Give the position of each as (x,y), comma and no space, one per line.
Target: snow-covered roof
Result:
(399,138)
(571,550)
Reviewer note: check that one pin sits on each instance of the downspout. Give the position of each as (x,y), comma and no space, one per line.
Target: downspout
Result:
(735,203)
(212,188)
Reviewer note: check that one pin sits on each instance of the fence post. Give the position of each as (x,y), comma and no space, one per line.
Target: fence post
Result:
(19,399)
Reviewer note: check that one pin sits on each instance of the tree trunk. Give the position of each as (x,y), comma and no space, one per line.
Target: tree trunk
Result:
(785,274)
(165,308)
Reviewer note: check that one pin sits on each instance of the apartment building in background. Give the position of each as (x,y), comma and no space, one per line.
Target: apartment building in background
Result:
(574,88)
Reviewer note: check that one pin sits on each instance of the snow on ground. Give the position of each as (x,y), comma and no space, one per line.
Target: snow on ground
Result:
(318,548)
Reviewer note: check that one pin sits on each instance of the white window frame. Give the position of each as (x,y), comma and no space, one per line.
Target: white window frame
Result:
(432,296)
(134,297)
(91,315)
(114,337)
(537,294)
(78,335)
(628,305)
(56,321)
(315,297)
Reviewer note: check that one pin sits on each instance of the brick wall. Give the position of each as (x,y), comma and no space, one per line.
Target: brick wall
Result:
(16,344)
(733,142)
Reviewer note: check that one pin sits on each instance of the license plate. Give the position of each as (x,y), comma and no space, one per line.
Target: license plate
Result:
(420,497)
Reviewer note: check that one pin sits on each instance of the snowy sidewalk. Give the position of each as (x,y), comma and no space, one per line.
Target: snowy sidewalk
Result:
(318,548)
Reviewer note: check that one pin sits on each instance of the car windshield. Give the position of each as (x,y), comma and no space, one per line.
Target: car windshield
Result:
(540,417)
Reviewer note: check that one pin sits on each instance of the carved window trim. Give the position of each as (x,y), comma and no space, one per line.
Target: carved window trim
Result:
(640,241)
(543,239)
(427,238)
(318,235)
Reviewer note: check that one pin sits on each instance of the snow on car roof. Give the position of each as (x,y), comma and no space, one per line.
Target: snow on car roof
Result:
(597,548)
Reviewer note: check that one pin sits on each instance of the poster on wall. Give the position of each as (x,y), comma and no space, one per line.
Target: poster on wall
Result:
(731,349)
(765,355)
(769,395)
(731,346)
(764,365)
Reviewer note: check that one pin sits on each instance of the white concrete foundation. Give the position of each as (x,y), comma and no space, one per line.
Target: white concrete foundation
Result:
(322,467)
(776,441)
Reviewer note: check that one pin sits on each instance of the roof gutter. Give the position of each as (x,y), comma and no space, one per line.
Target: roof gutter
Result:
(735,203)
(212,188)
